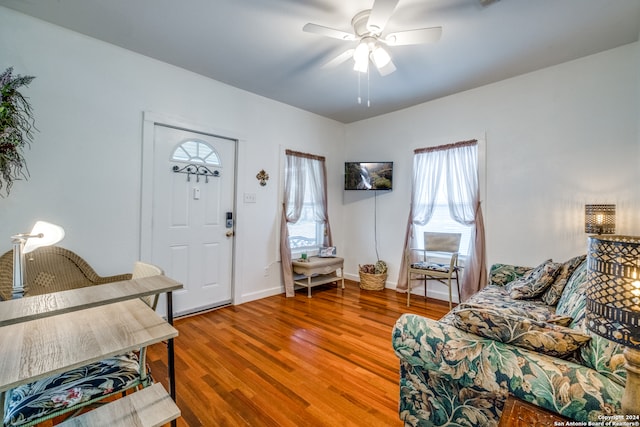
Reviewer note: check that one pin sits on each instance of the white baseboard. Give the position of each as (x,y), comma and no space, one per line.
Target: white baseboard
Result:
(253,296)
(440,292)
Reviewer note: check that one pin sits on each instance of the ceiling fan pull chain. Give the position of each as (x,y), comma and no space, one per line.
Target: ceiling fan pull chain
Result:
(359,97)
(368,89)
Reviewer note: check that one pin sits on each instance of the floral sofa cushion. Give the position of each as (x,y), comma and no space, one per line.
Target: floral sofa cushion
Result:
(604,356)
(535,282)
(552,295)
(573,301)
(545,315)
(501,274)
(496,296)
(543,337)
(49,396)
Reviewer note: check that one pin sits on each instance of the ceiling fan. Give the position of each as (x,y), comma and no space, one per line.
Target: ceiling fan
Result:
(368,28)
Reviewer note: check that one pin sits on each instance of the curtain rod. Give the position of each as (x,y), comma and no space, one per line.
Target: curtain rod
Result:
(305,155)
(468,143)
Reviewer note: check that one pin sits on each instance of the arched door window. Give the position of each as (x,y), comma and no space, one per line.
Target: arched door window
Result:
(198,152)
(200,158)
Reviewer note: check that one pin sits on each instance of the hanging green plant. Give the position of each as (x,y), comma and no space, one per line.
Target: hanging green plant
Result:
(16,128)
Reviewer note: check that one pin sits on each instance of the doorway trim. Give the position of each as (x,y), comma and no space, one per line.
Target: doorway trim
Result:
(149,121)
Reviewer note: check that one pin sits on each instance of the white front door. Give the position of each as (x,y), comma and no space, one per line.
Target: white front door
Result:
(193,193)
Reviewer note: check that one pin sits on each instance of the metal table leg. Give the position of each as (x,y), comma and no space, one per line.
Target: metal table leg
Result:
(171,354)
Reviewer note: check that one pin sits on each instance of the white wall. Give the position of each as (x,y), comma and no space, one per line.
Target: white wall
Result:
(556,139)
(85,163)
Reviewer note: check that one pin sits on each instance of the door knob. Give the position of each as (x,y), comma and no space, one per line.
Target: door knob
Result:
(229,233)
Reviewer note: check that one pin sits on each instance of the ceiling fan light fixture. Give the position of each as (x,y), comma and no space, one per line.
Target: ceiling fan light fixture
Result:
(361,57)
(380,57)
(382,61)
(361,66)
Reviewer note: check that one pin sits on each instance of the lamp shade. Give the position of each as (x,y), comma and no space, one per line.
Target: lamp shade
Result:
(613,288)
(600,219)
(43,234)
(361,57)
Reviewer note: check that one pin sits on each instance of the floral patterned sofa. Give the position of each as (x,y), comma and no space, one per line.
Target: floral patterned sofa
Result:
(524,335)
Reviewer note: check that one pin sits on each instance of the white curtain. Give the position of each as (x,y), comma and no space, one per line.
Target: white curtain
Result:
(460,163)
(426,189)
(305,174)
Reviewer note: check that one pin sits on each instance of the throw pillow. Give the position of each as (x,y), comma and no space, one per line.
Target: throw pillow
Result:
(552,295)
(502,274)
(573,301)
(535,282)
(541,337)
(539,315)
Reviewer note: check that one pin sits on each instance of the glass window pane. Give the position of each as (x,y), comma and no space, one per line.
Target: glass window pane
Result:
(307,234)
(193,151)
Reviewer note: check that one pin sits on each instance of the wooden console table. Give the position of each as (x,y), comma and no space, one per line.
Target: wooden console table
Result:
(318,271)
(518,413)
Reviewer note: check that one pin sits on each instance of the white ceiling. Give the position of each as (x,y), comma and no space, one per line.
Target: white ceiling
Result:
(259,45)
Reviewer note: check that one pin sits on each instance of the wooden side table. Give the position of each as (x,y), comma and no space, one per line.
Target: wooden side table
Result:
(318,271)
(518,413)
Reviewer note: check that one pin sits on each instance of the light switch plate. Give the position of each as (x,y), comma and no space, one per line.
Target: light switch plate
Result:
(249,197)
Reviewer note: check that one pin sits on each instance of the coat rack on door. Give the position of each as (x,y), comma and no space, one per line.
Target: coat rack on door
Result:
(198,171)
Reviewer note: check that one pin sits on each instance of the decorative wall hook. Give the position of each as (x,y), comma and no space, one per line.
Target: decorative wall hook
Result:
(263,177)
(196,170)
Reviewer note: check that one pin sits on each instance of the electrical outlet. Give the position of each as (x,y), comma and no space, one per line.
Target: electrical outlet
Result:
(266,272)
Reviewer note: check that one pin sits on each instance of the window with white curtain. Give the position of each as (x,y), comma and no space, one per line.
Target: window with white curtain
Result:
(442,222)
(307,234)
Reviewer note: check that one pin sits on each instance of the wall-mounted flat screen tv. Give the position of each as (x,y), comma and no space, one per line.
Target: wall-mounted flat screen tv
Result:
(368,175)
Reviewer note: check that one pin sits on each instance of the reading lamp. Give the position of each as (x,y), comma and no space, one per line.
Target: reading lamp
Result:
(613,303)
(42,234)
(600,219)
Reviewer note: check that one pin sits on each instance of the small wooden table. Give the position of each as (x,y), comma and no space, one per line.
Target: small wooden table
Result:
(518,413)
(318,271)
(45,305)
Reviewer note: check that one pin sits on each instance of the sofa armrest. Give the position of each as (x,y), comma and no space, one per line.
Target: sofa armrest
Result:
(481,366)
(501,274)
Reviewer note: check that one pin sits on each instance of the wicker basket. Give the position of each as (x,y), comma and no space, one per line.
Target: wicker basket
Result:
(372,282)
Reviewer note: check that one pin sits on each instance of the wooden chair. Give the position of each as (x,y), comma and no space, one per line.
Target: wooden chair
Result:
(31,404)
(439,262)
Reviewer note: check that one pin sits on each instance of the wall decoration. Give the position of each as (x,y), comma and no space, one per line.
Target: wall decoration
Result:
(263,177)
(16,128)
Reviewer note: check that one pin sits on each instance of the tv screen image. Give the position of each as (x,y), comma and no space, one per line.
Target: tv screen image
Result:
(368,175)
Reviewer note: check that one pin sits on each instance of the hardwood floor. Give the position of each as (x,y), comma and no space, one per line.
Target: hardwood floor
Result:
(324,361)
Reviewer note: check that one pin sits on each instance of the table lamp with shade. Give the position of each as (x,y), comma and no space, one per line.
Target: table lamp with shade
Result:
(600,219)
(613,303)
(42,234)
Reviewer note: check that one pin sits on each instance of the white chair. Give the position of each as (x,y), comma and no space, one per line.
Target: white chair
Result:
(439,262)
(142,269)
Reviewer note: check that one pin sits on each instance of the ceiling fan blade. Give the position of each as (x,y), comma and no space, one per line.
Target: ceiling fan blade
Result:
(380,14)
(344,56)
(329,32)
(422,35)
